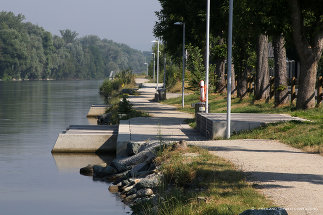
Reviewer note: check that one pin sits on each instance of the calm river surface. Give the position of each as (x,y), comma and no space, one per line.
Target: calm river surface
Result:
(32,181)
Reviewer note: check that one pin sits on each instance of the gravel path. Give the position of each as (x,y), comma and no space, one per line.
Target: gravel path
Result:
(290,177)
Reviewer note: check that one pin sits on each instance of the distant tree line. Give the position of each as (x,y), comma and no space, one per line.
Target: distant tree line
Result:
(27,51)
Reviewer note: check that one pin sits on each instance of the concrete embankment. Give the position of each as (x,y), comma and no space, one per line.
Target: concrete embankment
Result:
(214,125)
(87,139)
(97,110)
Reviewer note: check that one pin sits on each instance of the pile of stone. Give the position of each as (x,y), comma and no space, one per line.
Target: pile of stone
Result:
(134,178)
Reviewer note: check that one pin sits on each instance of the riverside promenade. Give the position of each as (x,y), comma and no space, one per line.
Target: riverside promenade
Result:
(165,122)
(291,178)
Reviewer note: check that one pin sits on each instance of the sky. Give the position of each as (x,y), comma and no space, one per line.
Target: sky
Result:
(124,21)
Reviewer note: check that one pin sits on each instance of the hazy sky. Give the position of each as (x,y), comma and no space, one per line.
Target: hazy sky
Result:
(123,21)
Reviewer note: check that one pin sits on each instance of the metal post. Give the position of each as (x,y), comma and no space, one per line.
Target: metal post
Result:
(229,69)
(154,68)
(207,56)
(164,83)
(157,63)
(147,69)
(184,57)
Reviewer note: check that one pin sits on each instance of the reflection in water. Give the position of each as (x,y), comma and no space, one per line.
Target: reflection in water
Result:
(68,162)
(92,120)
(32,114)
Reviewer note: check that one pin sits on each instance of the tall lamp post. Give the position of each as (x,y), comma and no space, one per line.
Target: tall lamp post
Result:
(154,66)
(207,56)
(147,68)
(157,41)
(164,85)
(184,57)
(229,69)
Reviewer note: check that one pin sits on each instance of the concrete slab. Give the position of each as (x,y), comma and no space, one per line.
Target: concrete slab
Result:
(214,125)
(87,139)
(97,110)
(90,127)
(123,138)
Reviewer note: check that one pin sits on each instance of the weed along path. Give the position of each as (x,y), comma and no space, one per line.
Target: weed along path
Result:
(293,179)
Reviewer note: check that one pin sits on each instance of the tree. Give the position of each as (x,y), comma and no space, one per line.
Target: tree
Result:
(272,19)
(219,53)
(281,87)
(244,38)
(195,66)
(68,35)
(307,24)
(262,89)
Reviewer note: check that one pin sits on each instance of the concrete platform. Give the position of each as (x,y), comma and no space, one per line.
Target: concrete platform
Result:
(87,139)
(214,125)
(97,110)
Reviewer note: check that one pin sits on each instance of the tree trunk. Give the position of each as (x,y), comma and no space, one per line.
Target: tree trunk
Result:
(306,88)
(242,83)
(281,85)
(309,52)
(262,89)
(220,76)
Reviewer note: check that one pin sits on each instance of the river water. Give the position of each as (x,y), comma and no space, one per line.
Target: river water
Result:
(32,181)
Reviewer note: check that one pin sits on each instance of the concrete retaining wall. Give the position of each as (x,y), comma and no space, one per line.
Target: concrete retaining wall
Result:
(97,110)
(89,139)
(214,125)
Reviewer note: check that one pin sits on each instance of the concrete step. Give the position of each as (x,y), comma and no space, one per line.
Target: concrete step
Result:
(214,125)
(87,139)
(97,110)
(90,127)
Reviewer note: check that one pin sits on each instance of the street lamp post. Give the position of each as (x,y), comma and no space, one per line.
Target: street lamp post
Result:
(207,56)
(154,66)
(164,85)
(147,68)
(228,132)
(184,57)
(157,41)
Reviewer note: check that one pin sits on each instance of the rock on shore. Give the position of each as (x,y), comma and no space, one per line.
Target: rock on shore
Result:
(134,178)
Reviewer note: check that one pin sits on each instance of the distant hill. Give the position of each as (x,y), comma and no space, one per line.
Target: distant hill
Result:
(27,51)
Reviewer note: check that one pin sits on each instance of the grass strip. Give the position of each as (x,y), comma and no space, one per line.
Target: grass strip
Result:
(197,182)
(304,135)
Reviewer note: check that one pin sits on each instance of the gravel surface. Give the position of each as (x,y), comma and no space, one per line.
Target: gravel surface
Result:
(293,179)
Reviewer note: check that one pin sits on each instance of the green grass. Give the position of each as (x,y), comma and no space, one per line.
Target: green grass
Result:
(305,135)
(223,188)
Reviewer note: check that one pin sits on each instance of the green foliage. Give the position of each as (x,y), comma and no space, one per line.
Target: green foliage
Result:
(172,75)
(281,88)
(123,110)
(29,52)
(110,88)
(195,66)
(125,106)
(218,49)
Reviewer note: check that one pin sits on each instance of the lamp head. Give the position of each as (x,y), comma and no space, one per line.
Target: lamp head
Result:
(178,23)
